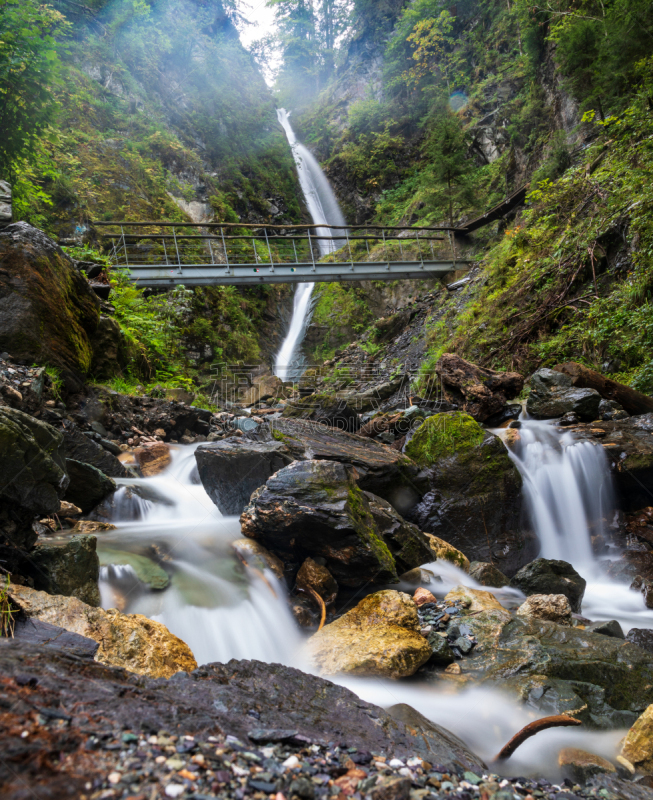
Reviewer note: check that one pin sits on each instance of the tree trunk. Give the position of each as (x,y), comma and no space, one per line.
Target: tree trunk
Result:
(634,402)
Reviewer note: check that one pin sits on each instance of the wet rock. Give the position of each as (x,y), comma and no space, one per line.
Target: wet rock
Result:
(131,641)
(550,576)
(231,470)
(475,499)
(48,312)
(32,480)
(487,574)
(88,486)
(476,600)
(642,637)
(638,744)
(147,571)
(552,607)
(256,556)
(422,596)
(381,470)
(314,576)
(153,458)
(325,409)
(85,450)
(379,637)
(69,567)
(92,526)
(67,509)
(314,508)
(217,698)
(34,631)
(552,395)
(441,653)
(579,765)
(409,546)
(419,577)
(111,350)
(630,399)
(607,628)
(481,393)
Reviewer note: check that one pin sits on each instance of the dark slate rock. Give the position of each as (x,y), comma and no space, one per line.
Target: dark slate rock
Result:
(34,631)
(550,576)
(82,448)
(70,567)
(88,485)
(642,637)
(607,628)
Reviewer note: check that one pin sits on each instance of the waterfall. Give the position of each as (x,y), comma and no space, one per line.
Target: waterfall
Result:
(324,210)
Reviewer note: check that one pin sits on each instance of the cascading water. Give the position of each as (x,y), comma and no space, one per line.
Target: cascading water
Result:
(568,492)
(324,210)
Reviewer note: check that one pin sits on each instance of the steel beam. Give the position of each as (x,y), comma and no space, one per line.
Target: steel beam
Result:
(158,275)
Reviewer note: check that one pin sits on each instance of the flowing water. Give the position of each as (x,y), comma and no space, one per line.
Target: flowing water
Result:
(324,210)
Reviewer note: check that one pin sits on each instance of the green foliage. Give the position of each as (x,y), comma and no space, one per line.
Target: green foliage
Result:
(7,611)
(56,381)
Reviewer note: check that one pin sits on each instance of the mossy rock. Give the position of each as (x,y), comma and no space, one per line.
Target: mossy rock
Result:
(444,435)
(149,573)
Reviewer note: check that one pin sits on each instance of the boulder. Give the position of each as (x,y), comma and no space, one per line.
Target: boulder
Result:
(256,556)
(87,451)
(410,546)
(552,395)
(153,458)
(110,349)
(582,377)
(553,607)
(487,574)
(314,576)
(381,469)
(314,508)
(88,485)
(48,312)
(67,567)
(607,628)
(579,765)
(231,470)
(32,480)
(638,744)
(642,637)
(325,409)
(372,398)
(216,697)
(379,637)
(131,641)
(550,576)
(475,499)
(481,393)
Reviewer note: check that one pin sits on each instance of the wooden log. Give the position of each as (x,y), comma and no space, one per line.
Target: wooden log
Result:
(557,721)
(634,402)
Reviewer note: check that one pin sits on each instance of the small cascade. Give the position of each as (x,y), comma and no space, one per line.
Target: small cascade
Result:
(324,210)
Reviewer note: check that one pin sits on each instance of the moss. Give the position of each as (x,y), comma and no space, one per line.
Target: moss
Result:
(366,528)
(443,435)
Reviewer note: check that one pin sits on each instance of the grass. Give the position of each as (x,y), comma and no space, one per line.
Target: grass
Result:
(7,621)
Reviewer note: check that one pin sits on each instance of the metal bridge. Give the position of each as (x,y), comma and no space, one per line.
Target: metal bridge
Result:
(164,254)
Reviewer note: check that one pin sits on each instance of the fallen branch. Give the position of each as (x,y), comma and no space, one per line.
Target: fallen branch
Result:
(318,600)
(558,721)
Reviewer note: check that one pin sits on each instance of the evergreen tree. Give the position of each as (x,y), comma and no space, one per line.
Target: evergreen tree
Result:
(447,148)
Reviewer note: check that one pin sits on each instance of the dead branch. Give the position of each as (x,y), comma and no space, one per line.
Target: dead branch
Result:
(557,721)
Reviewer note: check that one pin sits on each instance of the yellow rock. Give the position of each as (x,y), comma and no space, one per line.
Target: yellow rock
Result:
(476,599)
(379,637)
(131,641)
(638,744)
(446,552)
(579,765)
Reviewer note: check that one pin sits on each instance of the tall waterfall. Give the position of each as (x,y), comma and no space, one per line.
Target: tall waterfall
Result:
(324,210)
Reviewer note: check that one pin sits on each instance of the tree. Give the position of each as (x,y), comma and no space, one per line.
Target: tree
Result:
(30,73)
(449,169)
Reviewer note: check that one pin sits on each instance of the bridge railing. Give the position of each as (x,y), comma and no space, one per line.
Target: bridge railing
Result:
(174,244)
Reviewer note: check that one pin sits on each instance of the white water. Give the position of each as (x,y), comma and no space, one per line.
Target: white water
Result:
(324,210)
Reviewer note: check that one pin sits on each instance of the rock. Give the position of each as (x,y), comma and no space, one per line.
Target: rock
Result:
(231,470)
(552,395)
(476,600)
(48,312)
(42,633)
(147,571)
(85,450)
(32,480)
(314,508)
(481,393)
(314,576)
(256,556)
(422,596)
(372,398)
(642,637)
(91,526)
(70,567)
(325,409)
(409,546)
(263,387)
(153,458)
(220,697)
(549,576)
(110,349)
(419,577)
(67,509)
(441,653)
(475,500)
(553,607)
(381,470)
(638,744)
(88,486)
(487,574)
(379,637)
(579,765)
(582,377)
(131,641)
(510,412)
(391,788)
(607,628)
